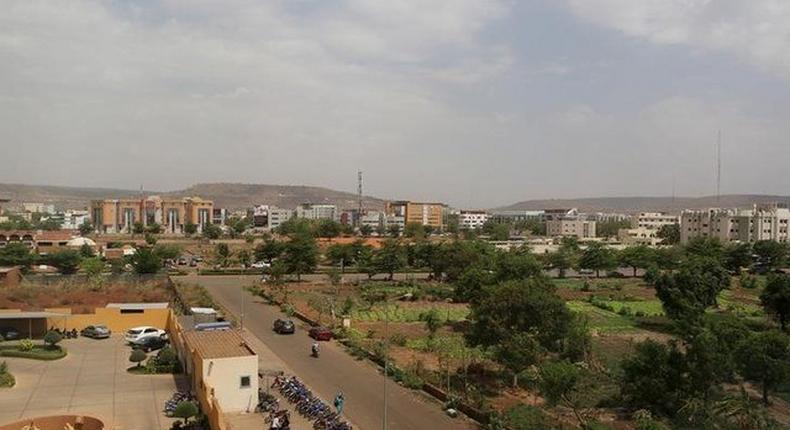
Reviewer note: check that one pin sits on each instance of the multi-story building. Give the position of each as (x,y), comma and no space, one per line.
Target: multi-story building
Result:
(558,214)
(653,220)
(372,219)
(120,215)
(72,220)
(260,216)
(471,220)
(638,236)
(512,217)
(219,216)
(311,211)
(427,214)
(606,217)
(278,216)
(581,228)
(41,208)
(764,222)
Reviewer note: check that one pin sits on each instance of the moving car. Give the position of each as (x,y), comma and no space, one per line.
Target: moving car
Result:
(96,332)
(321,333)
(284,326)
(134,335)
(260,265)
(151,343)
(9,333)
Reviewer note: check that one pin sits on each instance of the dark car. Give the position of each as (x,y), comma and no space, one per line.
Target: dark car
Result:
(9,333)
(96,332)
(321,333)
(150,343)
(284,326)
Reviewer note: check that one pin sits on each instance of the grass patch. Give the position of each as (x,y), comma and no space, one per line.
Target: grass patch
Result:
(602,320)
(39,352)
(142,370)
(410,314)
(729,302)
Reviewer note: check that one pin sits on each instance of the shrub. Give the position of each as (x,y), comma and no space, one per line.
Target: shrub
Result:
(52,338)
(525,417)
(748,281)
(398,339)
(26,345)
(625,311)
(137,356)
(186,410)
(6,378)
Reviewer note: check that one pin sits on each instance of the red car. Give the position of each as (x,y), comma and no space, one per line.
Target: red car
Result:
(321,333)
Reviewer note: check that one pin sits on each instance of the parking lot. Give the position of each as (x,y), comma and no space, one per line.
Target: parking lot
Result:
(91,380)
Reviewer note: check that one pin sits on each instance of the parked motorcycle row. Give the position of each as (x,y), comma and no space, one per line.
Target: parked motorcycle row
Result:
(66,334)
(175,399)
(309,405)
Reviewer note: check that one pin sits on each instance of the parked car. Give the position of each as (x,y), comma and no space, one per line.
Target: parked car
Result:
(96,332)
(135,334)
(151,343)
(9,333)
(182,261)
(284,326)
(260,265)
(321,333)
(193,262)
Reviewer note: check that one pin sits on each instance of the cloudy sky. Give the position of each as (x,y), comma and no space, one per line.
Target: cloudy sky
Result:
(476,103)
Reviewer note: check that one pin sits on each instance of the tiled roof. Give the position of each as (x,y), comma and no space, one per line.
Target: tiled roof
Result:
(217,344)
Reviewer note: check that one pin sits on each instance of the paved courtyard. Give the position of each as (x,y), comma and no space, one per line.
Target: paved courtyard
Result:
(91,380)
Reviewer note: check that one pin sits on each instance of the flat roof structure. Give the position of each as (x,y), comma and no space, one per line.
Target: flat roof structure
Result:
(31,315)
(217,344)
(138,306)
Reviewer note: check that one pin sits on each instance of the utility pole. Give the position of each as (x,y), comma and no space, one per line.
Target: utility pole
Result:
(386,360)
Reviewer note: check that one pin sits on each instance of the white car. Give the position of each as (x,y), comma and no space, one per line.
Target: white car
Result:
(261,265)
(135,334)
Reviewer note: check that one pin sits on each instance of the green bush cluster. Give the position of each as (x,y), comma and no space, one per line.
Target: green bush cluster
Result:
(25,345)
(165,361)
(6,378)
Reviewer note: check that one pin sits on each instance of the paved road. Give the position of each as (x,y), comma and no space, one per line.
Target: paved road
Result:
(335,370)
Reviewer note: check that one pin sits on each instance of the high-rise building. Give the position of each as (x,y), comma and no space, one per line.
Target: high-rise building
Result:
(653,220)
(471,220)
(427,214)
(311,211)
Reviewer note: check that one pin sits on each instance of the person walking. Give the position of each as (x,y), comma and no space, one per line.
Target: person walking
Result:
(339,402)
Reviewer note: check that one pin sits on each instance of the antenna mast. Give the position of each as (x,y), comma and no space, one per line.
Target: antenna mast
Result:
(718,168)
(359,197)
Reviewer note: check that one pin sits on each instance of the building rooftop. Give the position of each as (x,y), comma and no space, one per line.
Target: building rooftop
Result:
(218,344)
(138,306)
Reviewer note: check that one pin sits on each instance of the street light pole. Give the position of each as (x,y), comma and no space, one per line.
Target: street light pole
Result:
(386,360)
(241,288)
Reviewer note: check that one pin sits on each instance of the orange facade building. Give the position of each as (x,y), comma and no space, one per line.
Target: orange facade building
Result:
(120,215)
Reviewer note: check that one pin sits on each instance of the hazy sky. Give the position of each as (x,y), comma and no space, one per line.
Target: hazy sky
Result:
(476,103)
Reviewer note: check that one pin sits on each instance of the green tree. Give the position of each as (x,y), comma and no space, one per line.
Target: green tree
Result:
(390,258)
(393,230)
(770,254)
(244,256)
(530,306)
(688,292)
(365,230)
(669,234)
(608,229)
(514,265)
(707,247)
(190,229)
(653,377)
(17,254)
(186,410)
(496,231)
(86,251)
(92,267)
(559,384)
(297,226)
(138,228)
(737,256)
(222,254)
(150,239)
(52,339)
(328,228)
(269,250)
(67,261)
(637,257)
(340,253)
(597,257)
(414,230)
(433,322)
(85,228)
(137,356)
(765,358)
(775,298)
(300,255)
(167,252)
(153,228)
(212,231)
(145,261)
(518,352)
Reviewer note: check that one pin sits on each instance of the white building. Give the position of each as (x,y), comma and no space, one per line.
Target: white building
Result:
(579,228)
(311,211)
(278,216)
(372,219)
(653,220)
(39,208)
(764,222)
(398,220)
(506,217)
(638,236)
(72,220)
(471,220)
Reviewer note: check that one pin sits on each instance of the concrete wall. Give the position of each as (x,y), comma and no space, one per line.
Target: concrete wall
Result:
(111,317)
(224,375)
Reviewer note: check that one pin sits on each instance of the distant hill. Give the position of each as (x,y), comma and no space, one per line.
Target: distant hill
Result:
(640,204)
(231,196)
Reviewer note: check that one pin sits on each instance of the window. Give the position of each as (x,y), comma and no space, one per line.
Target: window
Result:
(245,382)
